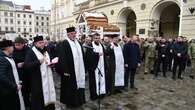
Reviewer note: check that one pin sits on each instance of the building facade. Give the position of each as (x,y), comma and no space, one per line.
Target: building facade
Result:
(7,18)
(21,20)
(61,17)
(167,18)
(42,22)
(24,21)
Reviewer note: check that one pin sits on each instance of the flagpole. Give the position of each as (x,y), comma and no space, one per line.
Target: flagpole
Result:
(181,17)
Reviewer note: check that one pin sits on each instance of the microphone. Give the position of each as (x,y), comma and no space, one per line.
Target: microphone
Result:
(99,72)
(88,47)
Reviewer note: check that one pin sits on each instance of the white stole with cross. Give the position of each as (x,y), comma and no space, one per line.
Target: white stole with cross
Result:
(119,65)
(47,78)
(100,78)
(79,67)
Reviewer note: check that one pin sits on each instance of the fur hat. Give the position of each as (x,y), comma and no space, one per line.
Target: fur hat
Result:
(5,43)
(38,38)
(70,29)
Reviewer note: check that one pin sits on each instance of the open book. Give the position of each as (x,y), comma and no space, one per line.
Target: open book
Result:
(54,61)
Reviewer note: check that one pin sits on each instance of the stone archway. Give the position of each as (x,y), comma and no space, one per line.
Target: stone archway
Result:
(127,21)
(165,18)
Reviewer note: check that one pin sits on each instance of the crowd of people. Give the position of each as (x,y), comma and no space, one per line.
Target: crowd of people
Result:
(109,65)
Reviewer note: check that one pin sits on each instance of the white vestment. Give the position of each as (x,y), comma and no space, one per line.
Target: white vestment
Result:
(101,78)
(48,88)
(79,67)
(16,77)
(119,69)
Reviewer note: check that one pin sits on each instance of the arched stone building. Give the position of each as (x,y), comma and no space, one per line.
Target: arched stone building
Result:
(143,17)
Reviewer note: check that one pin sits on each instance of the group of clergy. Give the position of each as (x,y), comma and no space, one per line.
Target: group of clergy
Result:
(26,79)
(108,68)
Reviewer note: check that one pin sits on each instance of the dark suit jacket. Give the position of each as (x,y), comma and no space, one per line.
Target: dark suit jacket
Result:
(131,54)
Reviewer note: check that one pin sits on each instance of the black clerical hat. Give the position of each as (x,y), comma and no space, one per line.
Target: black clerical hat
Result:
(5,43)
(70,29)
(38,38)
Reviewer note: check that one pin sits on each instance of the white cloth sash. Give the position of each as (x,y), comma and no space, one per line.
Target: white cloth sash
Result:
(47,78)
(99,49)
(16,77)
(119,69)
(79,67)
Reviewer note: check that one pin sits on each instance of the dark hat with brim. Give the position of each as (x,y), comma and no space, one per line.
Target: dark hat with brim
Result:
(38,38)
(5,43)
(70,29)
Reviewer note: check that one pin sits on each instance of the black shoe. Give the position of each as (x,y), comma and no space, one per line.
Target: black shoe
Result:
(145,72)
(174,78)
(134,88)
(165,76)
(152,72)
(181,78)
(191,76)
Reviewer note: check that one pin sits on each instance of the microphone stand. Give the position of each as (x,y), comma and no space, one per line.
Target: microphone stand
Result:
(99,87)
(99,78)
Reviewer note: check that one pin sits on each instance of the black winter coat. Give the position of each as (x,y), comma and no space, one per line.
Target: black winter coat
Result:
(8,87)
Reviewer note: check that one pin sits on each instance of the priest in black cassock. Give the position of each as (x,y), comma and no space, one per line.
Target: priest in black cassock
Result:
(96,66)
(10,85)
(72,70)
(117,65)
(38,63)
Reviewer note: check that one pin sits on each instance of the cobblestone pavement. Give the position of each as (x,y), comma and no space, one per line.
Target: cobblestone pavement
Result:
(152,94)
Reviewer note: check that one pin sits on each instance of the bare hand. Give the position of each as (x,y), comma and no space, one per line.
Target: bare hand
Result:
(126,65)
(19,87)
(20,65)
(138,64)
(163,55)
(179,54)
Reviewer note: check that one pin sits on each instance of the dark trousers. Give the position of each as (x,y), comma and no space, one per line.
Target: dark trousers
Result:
(50,107)
(160,61)
(26,94)
(130,72)
(25,77)
(178,62)
(169,64)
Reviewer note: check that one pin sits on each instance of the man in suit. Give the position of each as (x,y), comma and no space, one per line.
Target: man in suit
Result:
(179,52)
(132,60)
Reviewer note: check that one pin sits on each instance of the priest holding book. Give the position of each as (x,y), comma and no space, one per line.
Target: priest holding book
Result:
(38,63)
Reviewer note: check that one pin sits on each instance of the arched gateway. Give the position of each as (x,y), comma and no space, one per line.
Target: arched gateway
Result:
(165,18)
(127,21)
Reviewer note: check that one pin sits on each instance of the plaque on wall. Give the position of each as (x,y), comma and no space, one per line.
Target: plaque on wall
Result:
(112,12)
(141,31)
(143,6)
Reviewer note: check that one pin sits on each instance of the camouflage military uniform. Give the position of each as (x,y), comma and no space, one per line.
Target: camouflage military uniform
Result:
(191,53)
(150,54)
